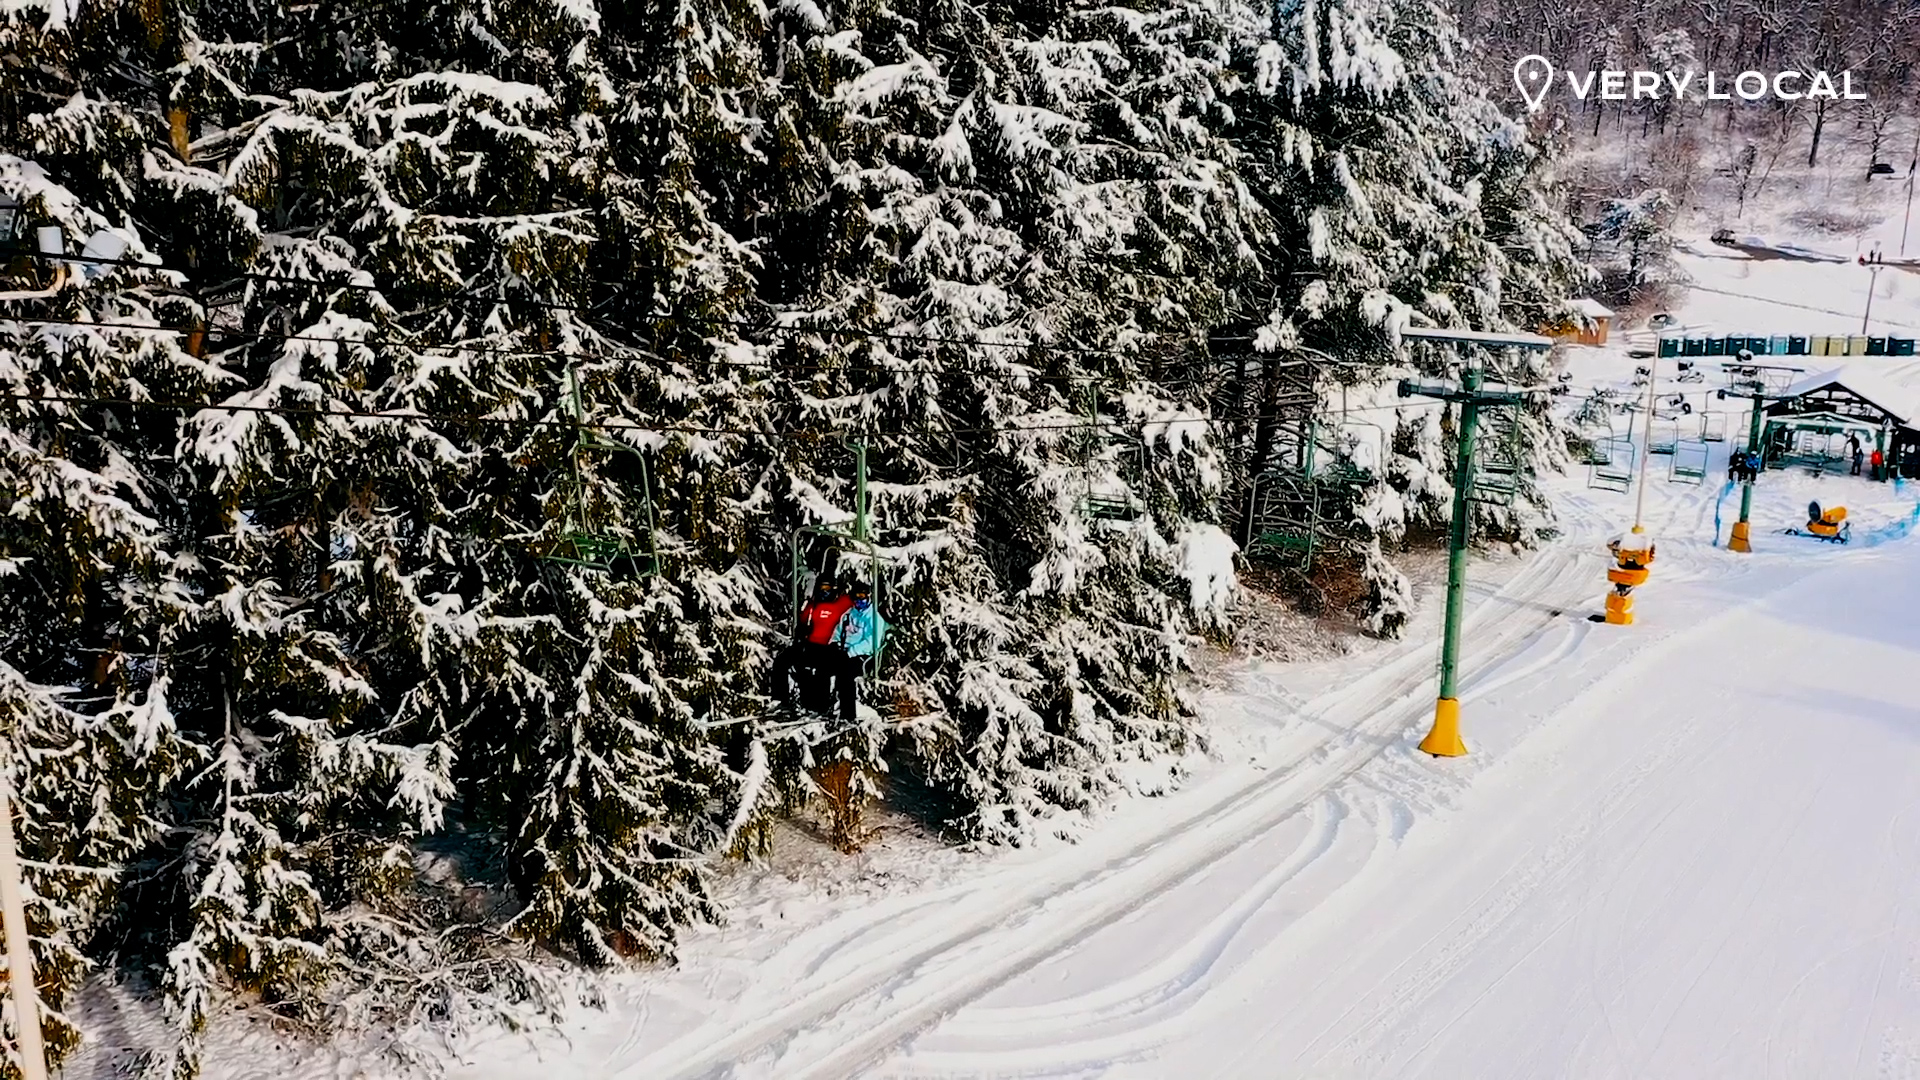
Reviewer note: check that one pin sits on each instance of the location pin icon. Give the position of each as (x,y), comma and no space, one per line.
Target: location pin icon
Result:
(1533,74)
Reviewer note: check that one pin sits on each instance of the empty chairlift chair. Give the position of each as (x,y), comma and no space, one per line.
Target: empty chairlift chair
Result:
(1665,437)
(581,542)
(1616,472)
(1109,497)
(1688,464)
(1497,457)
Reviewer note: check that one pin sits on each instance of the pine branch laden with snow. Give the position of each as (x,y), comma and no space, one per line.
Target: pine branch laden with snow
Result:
(346,614)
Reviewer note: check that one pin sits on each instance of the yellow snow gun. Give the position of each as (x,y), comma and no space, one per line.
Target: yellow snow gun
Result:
(1828,524)
(1631,569)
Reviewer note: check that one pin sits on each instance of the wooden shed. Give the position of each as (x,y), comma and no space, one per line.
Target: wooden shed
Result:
(1592,327)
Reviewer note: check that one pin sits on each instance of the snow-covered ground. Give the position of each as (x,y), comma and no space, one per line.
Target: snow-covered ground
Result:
(1680,850)
(1676,849)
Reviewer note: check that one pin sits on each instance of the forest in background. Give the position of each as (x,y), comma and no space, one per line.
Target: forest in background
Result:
(1715,160)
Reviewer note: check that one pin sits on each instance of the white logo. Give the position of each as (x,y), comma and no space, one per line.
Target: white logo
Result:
(1533,75)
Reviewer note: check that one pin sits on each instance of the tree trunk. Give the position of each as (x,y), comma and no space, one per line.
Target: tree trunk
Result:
(1819,125)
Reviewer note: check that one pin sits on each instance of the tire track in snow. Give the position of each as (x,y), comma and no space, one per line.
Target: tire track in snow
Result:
(1066,1024)
(1179,971)
(1460,936)
(833,1023)
(1105,1036)
(1493,906)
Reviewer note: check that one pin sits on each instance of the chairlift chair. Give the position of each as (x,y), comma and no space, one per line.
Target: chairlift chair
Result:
(1497,464)
(1596,451)
(579,543)
(1616,473)
(850,537)
(1103,502)
(1688,465)
(1282,517)
(1665,436)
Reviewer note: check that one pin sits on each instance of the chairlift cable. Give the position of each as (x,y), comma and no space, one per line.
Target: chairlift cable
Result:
(597,425)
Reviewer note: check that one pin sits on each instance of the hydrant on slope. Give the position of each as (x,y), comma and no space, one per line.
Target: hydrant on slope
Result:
(1632,555)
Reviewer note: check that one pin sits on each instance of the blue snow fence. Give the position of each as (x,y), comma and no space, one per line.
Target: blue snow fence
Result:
(1718,503)
(1899,529)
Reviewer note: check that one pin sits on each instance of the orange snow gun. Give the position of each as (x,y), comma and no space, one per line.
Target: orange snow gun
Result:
(1829,524)
(1630,570)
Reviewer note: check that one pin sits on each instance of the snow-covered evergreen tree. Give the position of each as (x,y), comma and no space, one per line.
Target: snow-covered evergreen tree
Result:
(357,635)
(1036,220)
(88,579)
(1377,156)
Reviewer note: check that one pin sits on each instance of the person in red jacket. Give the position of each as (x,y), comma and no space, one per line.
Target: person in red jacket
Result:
(813,657)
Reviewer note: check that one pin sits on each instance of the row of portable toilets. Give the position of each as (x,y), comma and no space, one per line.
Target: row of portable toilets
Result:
(1814,345)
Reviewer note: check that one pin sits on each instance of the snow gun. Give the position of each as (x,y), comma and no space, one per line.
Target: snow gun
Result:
(1829,525)
(1632,556)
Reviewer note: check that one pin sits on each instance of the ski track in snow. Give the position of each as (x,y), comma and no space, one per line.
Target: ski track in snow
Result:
(1189,984)
(852,990)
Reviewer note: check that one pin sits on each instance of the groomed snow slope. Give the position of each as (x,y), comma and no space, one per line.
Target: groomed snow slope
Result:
(1697,863)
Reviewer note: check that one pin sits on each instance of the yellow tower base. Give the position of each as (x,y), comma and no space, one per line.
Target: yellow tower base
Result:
(1444,739)
(1619,609)
(1740,541)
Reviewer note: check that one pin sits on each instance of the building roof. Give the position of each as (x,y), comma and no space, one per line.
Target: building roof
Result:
(1898,402)
(1591,308)
(1478,337)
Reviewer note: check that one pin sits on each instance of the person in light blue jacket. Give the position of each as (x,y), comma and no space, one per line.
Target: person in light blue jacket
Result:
(861,633)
